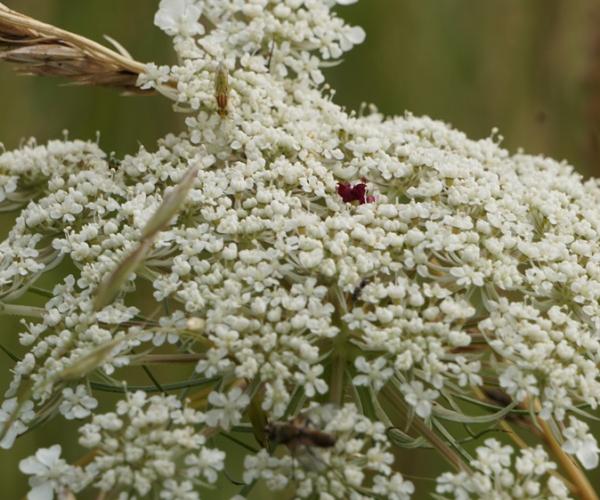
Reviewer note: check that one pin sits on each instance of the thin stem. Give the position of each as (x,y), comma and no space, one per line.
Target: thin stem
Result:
(421,427)
(99,386)
(339,358)
(157,359)
(153,378)
(199,400)
(87,458)
(40,291)
(12,356)
(19,310)
(579,479)
(336,392)
(239,442)
(503,424)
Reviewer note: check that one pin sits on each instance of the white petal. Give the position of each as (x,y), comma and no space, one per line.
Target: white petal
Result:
(48,456)
(356,35)
(44,491)
(588,457)
(31,465)
(9,438)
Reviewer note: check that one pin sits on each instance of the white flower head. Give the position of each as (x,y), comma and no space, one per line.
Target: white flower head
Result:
(305,228)
(375,373)
(179,17)
(419,398)
(308,377)
(227,408)
(495,475)
(77,403)
(50,474)
(148,440)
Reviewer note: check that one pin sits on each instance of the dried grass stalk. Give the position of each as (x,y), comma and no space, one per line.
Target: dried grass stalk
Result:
(37,48)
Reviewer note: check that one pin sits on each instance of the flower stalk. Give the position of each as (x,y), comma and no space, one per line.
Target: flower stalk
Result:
(582,485)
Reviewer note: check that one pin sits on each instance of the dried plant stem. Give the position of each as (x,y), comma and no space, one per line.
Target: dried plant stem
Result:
(87,458)
(507,428)
(503,424)
(37,48)
(582,485)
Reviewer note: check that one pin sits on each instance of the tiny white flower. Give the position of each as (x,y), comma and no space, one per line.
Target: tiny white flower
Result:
(518,383)
(179,17)
(376,373)
(50,474)
(182,491)
(152,77)
(419,398)
(77,404)
(208,463)
(227,408)
(493,457)
(309,379)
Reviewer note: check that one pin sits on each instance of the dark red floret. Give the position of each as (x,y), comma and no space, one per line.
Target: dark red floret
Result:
(345,191)
(358,193)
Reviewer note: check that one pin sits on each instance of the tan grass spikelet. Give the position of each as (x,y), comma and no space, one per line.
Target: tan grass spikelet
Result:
(37,48)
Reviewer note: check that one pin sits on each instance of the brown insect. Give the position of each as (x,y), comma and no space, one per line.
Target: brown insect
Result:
(222,89)
(296,433)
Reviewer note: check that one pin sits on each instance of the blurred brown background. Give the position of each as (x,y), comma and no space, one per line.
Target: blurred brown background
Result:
(529,67)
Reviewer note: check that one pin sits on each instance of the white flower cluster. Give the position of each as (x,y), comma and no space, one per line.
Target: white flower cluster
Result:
(14,420)
(51,474)
(579,441)
(275,38)
(496,477)
(148,445)
(422,260)
(358,465)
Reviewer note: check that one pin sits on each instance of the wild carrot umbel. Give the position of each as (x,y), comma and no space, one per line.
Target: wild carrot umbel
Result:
(347,288)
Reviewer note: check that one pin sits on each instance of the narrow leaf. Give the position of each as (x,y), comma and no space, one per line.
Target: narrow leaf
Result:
(453,416)
(170,205)
(112,284)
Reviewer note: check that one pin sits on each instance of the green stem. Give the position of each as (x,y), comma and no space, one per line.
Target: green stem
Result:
(40,291)
(156,359)
(239,442)
(340,356)
(336,386)
(99,386)
(12,356)
(394,397)
(19,310)
(153,378)
(582,484)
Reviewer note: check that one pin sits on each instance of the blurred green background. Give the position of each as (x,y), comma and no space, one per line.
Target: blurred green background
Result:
(529,67)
